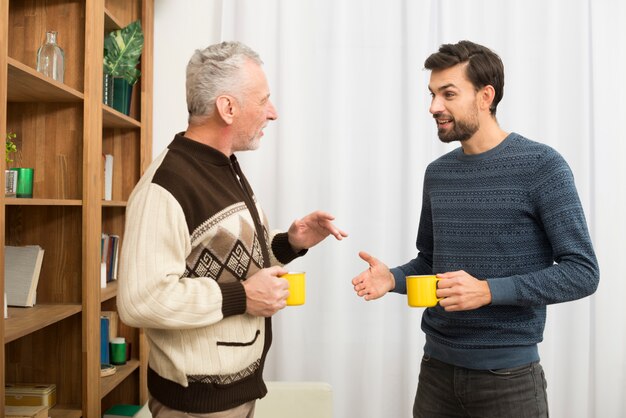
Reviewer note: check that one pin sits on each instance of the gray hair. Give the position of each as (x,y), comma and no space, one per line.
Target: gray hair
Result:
(214,71)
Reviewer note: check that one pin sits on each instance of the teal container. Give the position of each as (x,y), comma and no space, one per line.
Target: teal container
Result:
(122,91)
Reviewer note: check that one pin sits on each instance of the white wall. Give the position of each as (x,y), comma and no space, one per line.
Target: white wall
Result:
(177,34)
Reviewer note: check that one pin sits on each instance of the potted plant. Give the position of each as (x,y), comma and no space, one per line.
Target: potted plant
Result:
(10,184)
(122,50)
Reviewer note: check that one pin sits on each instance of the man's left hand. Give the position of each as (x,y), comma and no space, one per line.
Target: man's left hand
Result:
(462,292)
(312,229)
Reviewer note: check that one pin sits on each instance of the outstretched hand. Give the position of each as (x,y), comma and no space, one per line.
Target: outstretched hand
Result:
(312,229)
(374,282)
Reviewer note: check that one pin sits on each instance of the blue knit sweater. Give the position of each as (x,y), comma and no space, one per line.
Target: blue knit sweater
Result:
(510,216)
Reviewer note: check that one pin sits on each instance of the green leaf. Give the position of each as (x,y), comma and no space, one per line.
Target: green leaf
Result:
(122,50)
(10,146)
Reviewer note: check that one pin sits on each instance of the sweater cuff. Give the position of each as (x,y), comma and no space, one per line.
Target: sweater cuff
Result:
(502,291)
(400,279)
(283,251)
(233,299)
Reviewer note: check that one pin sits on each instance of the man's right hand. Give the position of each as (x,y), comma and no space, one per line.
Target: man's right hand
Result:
(374,282)
(266,292)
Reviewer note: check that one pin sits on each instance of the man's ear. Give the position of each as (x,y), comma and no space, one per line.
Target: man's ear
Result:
(486,96)
(227,108)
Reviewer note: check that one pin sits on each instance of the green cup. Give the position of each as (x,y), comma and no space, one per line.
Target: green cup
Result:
(118,350)
(24,182)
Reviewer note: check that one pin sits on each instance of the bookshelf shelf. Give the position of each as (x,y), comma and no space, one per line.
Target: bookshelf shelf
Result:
(42,202)
(114,203)
(110,21)
(27,85)
(111,118)
(24,321)
(63,411)
(108,292)
(63,129)
(109,383)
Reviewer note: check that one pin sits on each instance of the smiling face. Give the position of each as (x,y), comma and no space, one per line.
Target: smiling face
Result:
(453,104)
(256,110)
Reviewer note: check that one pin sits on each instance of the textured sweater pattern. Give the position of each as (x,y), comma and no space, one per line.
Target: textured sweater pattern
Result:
(194,232)
(510,216)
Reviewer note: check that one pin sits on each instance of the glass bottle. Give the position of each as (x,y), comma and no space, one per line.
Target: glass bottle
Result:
(50,57)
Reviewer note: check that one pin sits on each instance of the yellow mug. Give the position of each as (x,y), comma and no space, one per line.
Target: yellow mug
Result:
(296,288)
(421,291)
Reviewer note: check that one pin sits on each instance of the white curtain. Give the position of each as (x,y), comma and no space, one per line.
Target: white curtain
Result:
(354,136)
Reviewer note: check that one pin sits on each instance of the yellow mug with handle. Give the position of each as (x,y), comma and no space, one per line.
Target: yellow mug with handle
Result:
(297,291)
(421,291)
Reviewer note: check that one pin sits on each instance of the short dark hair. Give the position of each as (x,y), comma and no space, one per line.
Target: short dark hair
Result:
(484,67)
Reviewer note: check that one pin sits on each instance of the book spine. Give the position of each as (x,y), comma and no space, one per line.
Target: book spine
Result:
(104,340)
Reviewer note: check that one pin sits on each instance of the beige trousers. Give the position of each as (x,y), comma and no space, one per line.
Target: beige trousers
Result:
(159,410)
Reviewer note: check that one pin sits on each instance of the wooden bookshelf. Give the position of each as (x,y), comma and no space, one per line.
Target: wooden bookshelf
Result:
(63,129)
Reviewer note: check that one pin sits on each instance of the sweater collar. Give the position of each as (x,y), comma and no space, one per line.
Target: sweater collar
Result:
(487,154)
(200,151)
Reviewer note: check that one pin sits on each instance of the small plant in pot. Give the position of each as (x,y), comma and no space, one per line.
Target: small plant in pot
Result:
(122,50)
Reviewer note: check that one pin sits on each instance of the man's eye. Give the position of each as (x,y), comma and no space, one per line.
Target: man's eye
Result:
(449,94)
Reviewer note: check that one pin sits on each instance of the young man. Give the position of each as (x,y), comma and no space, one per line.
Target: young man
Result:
(503,228)
(200,266)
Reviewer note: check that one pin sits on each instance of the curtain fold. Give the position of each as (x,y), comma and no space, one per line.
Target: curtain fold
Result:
(354,136)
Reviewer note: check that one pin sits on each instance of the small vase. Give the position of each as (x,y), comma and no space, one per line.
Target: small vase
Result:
(50,58)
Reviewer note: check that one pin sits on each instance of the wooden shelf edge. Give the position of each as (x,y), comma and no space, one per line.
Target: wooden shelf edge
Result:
(111,118)
(27,85)
(114,203)
(108,383)
(24,321)
(110,22)
(42,202)
(65,411)
(108,292)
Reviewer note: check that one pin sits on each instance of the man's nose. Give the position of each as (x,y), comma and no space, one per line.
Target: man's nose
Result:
(272,114)
(436,106)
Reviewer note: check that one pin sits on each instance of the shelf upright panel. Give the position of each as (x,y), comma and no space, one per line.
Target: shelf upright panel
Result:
(92,212)
(146,153)
(4,34)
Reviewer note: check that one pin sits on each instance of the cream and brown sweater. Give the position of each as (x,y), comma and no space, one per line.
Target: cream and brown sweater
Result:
(194,232)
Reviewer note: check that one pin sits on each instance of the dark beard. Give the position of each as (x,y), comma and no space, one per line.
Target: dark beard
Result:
(461,131)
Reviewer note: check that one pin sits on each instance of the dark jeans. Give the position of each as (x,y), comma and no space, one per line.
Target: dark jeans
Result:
(448,391)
